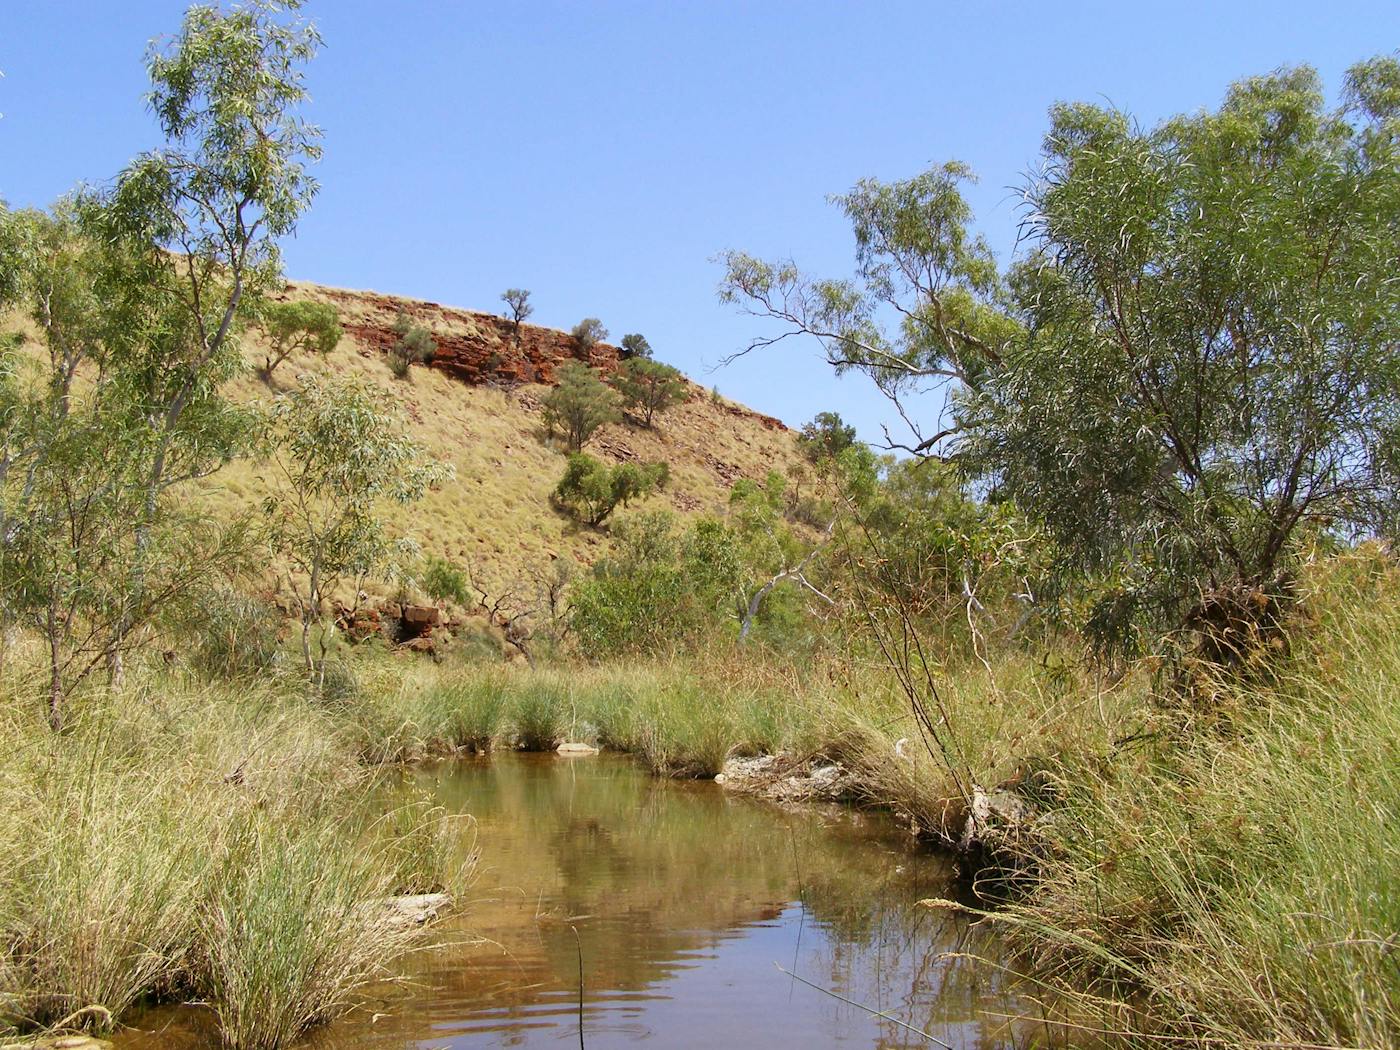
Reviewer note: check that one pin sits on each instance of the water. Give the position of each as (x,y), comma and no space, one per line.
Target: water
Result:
(686,902)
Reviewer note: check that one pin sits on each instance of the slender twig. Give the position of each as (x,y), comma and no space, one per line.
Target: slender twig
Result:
(578,944)
(867,1009)
(801,901)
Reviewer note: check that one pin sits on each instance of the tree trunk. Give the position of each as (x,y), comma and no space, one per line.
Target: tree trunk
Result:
(116,668)
(57,704)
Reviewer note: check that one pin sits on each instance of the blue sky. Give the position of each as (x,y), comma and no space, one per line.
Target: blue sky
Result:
(600,154)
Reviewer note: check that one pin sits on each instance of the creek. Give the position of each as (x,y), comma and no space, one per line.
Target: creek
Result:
(684,902)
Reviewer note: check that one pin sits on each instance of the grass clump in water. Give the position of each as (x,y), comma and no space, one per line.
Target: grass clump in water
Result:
(185,840)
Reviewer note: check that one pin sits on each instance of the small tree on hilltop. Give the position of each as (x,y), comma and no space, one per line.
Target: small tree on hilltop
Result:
(518,301)
(293,328)
(649,386)
(591,490)
(635,345)
(339,455)
(579,405)
(587,334)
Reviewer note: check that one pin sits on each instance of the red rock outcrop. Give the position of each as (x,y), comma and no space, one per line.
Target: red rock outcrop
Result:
(477,348)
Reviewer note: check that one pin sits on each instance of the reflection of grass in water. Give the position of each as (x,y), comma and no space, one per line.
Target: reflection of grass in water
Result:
(685,717)
(195,841)
(662,868)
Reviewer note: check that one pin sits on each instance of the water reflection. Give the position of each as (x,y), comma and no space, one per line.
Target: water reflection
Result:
(685,901)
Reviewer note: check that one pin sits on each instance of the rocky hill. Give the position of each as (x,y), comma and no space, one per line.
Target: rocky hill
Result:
(477,406)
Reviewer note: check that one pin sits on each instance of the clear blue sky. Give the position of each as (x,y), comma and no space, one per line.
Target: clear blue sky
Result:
(601,153)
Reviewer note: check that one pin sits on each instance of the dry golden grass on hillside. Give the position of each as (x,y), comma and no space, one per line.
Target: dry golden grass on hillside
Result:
(496,515)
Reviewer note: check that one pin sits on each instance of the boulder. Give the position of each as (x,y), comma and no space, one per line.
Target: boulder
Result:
(420,618)
(781,778)
(62,1042)
(576,749)
(423,644)
(416,909)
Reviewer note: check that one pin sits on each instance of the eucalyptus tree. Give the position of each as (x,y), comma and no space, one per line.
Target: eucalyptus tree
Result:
(587,334)
(1193,362)
(138,292)
(648,386)
(517,300)
(339,456)
(578,405)
(926,310)
(1210,362)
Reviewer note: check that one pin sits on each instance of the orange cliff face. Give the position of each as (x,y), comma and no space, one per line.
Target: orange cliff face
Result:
(478,349)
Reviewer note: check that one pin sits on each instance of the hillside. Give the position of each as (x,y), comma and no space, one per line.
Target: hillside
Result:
(477,406)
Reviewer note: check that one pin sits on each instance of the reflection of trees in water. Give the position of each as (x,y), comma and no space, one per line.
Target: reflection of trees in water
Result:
(656,873)
(917,965)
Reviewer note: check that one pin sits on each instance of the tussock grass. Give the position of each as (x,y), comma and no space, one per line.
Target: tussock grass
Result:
(1235,880)
(197,841)
(294,928)
(677,721)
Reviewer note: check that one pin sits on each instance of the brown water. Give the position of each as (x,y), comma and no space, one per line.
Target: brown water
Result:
(685,901)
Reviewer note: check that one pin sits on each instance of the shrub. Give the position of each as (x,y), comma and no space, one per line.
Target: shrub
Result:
(591,490)
(649,386)
(587,334)
(825,437)
(234,635)
(296,327)
(579,405)
(415,346)
(443,581)
(635,345)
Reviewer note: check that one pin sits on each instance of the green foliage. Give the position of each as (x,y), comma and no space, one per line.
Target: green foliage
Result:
(661,589)
(1211,373)
(338,452)
(232,635)
(648,386)
(825,437)
(415,345)
(635,344)
(587,334)
(578,405)
(140,289)
(297,327)
(913,250)
(443,581)
(591,490)
(1190,370)
(637,599)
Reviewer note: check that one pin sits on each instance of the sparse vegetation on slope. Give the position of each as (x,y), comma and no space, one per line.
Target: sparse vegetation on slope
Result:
(497,516)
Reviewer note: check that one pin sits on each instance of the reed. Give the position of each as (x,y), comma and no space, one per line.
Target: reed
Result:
(184,839)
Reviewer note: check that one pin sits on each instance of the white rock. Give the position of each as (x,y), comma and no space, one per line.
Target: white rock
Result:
(576,749)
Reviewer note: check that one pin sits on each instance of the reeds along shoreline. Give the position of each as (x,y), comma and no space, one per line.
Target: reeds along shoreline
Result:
(213,843)
(1204,871)
(1208,868)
